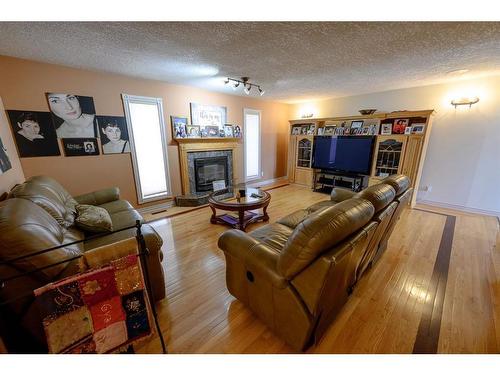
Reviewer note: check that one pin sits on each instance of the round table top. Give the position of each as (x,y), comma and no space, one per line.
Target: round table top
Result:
(228,197)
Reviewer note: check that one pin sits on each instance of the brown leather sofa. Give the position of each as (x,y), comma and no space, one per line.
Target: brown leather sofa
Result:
(297,273)
(39,214)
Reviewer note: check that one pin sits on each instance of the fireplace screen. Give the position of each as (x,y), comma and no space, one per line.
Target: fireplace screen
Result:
(208,170)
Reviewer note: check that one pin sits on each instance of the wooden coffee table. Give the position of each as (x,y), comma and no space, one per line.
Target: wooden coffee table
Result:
(226,200)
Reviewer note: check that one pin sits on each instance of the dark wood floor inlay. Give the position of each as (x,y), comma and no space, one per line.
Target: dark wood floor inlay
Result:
(430,323)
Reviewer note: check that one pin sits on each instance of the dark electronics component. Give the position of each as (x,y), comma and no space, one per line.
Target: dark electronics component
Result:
(348,154)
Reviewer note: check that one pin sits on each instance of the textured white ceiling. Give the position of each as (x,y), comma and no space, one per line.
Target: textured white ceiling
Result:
(293,61)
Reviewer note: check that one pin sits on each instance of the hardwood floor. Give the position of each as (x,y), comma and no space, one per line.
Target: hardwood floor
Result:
(383,314)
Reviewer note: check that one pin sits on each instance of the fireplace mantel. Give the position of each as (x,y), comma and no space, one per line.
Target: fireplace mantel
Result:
(206,144)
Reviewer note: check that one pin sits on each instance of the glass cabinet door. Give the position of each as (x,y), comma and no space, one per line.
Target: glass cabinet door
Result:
(304,149)
(389,157)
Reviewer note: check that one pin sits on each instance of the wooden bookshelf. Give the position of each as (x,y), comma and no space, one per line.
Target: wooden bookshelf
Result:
(393,153)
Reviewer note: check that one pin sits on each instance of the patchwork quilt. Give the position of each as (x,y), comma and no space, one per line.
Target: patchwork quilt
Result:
(98,311)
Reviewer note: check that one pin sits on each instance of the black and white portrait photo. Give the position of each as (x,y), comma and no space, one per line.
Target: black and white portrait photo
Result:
(114,134)
(80,146)
(5,164)
(73,115)
(34,133)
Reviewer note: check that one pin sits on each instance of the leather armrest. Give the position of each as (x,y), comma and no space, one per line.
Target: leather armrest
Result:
(99,197)
(256,256)
(339,195)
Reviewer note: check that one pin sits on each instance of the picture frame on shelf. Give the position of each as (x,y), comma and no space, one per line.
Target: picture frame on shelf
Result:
(193,131)
(304,129)
(408,129)
(418,128)
(311,130)
(179,126)
(228,131)
(237,132)
(400,126)
(386,129)
(296,129)
(356,127)
(329,130)
(212,131)
(321,131)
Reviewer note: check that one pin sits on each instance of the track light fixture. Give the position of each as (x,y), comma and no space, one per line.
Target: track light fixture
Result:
(247,86)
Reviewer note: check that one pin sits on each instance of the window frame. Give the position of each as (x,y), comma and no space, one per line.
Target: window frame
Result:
(127,99)
(259,113)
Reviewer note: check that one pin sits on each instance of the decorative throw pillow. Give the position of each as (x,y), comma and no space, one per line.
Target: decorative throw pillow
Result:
(93,219)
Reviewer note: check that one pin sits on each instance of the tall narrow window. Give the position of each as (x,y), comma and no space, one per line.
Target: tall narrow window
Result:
(251,133)
(149,146)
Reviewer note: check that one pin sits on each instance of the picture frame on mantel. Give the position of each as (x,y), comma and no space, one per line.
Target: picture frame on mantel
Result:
(208,115)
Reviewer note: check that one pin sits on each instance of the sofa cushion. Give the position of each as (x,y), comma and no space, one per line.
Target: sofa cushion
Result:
(26,228)
(294,219)
(93,219)
(117,206)
(380,195)
(399,182)
(322,230)
(273,235)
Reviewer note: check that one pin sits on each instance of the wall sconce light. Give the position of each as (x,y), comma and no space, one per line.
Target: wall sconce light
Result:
(465,101)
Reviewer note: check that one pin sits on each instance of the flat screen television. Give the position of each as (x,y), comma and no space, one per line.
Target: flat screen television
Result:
(349,154)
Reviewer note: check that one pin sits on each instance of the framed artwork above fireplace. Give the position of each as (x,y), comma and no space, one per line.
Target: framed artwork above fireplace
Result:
(208,115)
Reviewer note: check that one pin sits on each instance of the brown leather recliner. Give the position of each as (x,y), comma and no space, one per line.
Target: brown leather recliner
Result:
(39,214)
(296,274)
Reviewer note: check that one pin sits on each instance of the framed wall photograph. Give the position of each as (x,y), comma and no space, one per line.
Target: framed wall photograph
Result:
(193,131)
(34,133)
(5,163)
(179,127)
(73,115)
(208,115)
(80,146)
(114,134)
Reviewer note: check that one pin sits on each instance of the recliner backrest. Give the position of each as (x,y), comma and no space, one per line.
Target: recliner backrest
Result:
(26,228)
(399,182)
(380,195)
(321,231)
(47,199)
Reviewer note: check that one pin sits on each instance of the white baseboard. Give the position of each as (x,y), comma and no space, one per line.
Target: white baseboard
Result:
(460,208)
(263,183)
(156,207)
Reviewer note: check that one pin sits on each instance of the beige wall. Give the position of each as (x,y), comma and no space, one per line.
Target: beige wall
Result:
(462,164)
(15,174)
(23,87)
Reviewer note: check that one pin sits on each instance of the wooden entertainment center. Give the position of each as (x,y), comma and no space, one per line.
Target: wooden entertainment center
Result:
(400,145)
